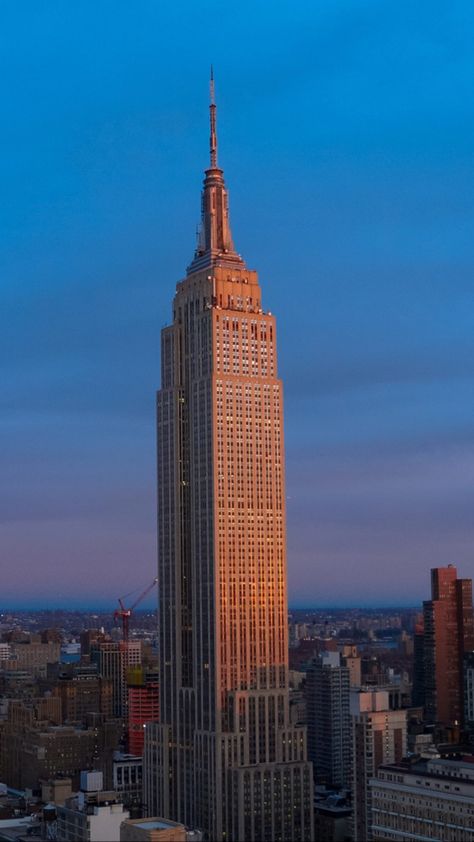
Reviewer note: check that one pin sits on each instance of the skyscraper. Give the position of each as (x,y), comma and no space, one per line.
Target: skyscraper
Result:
(230,762)
(449,634)
(328,693)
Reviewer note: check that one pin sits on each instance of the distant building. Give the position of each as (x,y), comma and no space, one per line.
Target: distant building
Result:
(93,815)
(70,653)
(449,634)
(5,650)
(302,656)
(152,830)
(89,637)
(468,665)
(297,680)
(56,790)
(82,691)
(143,706)
(26,713)
(406,644)
(132,650)
(113,661)
(418,692)
(329,720)
(332,815)
(127,779)
(34,656)
(351,659)
(51,636)
(110,661)
(39,754)
(379,736)
(422,800)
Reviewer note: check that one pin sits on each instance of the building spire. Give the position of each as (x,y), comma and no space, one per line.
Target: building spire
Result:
(212,114)
(214,243)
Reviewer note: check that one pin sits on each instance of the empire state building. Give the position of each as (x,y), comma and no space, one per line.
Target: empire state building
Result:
(225,758)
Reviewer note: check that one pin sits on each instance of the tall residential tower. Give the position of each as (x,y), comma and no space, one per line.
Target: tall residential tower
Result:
(448,636)
(227,758)
(328,694)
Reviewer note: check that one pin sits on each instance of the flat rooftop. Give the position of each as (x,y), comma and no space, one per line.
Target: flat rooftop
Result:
(156,824)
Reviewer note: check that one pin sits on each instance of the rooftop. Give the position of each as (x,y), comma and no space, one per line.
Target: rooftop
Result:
(154,823)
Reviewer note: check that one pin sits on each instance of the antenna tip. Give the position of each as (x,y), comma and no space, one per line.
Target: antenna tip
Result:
(211,86)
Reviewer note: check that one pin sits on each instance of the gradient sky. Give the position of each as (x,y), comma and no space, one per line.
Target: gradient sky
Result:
(346,134)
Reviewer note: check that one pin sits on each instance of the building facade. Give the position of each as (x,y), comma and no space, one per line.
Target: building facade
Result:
(110,661)
(127,779)
(418,690)
(92,815)
(34,656)
(379,736)
(83,691)
(231,763)
(152,830)
(423,800)
(448,635)
(329,720)
(143,706)
(468,666)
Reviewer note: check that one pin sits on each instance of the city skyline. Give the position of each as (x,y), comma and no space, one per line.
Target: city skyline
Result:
(355,165)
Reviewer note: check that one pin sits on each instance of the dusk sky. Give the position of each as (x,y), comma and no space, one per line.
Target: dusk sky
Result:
(346,134)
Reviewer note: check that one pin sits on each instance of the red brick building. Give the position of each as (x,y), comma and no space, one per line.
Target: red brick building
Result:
(448,635)
(143,706)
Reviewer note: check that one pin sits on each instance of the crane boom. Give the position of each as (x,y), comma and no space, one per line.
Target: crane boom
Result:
(126,613)
(144,593)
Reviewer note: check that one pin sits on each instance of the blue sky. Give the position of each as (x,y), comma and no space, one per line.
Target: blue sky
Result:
(345,132)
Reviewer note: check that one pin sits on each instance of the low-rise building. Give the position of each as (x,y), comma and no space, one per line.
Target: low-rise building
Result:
(83,691)
(127,778)
(93,815)
(56,790)
(332,813)
(33,656)
(152,830)
(36,754)
(424,799)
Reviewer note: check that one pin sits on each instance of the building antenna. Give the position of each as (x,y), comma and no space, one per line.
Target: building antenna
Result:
(212,111)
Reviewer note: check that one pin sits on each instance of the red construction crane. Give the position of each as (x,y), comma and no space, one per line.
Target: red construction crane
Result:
(126,613)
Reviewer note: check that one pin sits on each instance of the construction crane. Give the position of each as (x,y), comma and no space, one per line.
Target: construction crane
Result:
(126,613)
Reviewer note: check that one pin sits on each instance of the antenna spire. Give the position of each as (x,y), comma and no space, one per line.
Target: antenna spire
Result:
(212,112)
(214,242)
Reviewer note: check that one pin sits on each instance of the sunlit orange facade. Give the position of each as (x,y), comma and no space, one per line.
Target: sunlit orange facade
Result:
(230,761)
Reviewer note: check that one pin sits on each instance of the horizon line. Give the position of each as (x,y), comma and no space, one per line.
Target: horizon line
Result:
(104,609)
